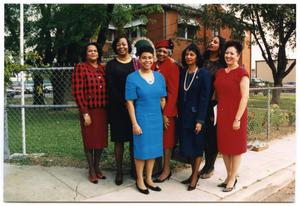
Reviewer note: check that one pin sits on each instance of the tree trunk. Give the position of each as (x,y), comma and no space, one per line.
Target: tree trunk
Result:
(59,86)
(276,92)
(101,39)
(38,91)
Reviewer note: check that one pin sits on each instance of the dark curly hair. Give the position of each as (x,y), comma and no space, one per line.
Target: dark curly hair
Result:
(144,48)
(194,48)
(221,51)
(236,44)
(84,52)
(115,42)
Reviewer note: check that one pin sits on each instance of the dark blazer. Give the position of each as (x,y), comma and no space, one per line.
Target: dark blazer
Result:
(193,104)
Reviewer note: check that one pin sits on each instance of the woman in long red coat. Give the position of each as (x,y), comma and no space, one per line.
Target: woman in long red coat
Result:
(170,71)
(232,92)
(89,91)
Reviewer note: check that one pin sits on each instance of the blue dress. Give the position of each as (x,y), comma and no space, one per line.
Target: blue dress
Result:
(149,144)
(193,106)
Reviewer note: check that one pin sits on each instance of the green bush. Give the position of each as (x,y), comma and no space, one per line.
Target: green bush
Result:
(277,116)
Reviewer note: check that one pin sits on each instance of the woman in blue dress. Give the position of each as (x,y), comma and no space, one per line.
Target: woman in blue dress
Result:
(194,95)
(145,94)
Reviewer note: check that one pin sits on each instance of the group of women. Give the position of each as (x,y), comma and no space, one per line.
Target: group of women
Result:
(149,105)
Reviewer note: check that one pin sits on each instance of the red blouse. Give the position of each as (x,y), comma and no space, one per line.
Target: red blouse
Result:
(89,87)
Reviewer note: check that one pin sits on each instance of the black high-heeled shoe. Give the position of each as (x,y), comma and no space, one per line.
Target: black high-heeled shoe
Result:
(157,180)
(157,189)
(229,189)
(223,184)
(146,191)
(190,187)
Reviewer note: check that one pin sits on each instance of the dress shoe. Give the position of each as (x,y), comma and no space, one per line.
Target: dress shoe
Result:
(146,191)
(119,179)
(190,187)
(101,176)
(93,179)
(152,188)
(223,184)
(157,180)
(229,189)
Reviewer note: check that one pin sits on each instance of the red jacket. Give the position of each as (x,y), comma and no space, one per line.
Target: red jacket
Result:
(170,71)
(89,87)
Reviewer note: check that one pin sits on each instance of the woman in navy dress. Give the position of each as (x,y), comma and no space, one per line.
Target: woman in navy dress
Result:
(145,94)
(194,95)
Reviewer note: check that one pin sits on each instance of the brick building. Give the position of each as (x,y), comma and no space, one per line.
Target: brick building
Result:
(169,24)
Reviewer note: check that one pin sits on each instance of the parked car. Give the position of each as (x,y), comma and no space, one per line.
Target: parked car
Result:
(259,83)
(29,87)
(48,88)
(11,92)
(291,87)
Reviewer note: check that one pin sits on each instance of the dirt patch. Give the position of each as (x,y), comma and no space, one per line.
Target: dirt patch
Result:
(286,194)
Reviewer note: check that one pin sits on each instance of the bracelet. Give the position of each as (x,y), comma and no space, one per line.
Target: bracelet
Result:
(134,125)
(237,120)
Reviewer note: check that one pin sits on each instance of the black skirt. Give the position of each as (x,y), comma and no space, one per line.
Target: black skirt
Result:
(120,124)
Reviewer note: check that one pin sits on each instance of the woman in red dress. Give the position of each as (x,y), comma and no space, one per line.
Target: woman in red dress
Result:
(170,71)
(89,91)
(232,93)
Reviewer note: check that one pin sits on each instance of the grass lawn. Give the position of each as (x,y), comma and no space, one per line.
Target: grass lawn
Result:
(56,133)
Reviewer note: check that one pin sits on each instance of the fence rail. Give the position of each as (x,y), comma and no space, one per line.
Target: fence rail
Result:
(53,127)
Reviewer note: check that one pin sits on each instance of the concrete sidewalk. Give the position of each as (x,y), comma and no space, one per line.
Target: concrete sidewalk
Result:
(261,174)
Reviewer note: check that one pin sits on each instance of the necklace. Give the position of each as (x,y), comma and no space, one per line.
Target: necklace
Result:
(124,60)
(149,80)
(186,88)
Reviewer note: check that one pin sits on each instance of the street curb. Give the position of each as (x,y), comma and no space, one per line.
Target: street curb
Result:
(263,188)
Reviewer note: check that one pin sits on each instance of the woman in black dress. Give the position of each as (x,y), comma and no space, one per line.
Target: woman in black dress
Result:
(120,124)
(213,61)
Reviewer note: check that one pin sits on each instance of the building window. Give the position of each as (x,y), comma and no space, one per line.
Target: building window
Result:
(216,32)
(191,31)
(111,35)
(186,31)
(134,32)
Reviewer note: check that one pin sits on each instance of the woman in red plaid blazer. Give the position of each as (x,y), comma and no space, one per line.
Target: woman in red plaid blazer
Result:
(89,91)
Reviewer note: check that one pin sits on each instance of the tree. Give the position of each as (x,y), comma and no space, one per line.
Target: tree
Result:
(274,29)
(58,33)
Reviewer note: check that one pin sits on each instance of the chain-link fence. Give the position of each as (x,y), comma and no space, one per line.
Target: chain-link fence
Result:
(267,120)
(43,117)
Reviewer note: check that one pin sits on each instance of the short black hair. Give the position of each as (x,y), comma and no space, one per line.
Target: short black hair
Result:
(86,49)
(236,44)
(221,51)
(194,48)
(144,48)
(115,42)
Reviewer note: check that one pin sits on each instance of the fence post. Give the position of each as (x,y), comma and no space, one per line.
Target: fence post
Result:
(268,113)
(22,77)
(6,145)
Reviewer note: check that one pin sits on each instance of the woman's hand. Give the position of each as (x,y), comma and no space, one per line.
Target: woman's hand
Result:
(236,125)
(198,128)
(136,129)
(87,120)
(166,121)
